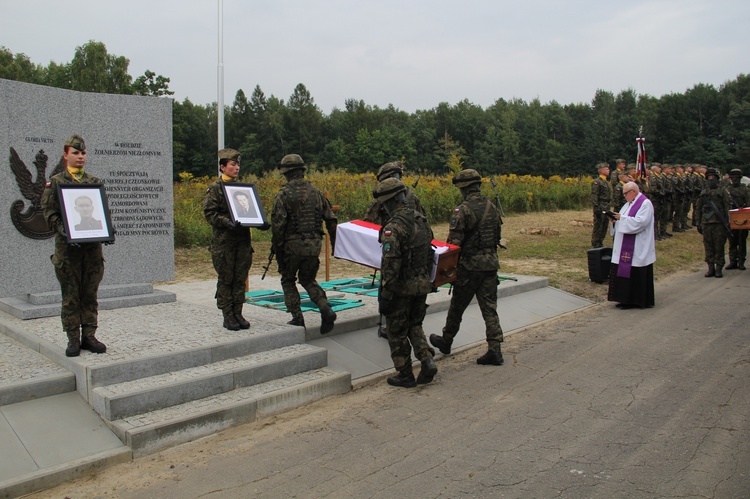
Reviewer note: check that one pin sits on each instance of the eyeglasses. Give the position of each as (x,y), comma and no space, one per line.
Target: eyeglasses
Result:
(629,190)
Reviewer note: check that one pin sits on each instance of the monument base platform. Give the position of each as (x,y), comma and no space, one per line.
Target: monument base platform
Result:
(37,305)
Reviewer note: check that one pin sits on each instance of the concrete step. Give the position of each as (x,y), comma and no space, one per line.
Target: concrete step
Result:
(151,393)
(110,373)
(22,308)
(157,430)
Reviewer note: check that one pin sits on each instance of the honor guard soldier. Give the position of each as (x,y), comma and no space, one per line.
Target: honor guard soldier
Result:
(299,210)
(79,267)
(406,264)
(601,199)
(231,245)
(713,206)
(476,227)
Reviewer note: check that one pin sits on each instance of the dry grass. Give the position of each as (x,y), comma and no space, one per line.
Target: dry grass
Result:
(561,257)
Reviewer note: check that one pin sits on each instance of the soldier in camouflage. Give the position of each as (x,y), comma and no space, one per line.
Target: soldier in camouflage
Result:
(231,248)
(476,227)
(712,208)
(299,210)
(614,177)
(601,199)
(406,265)
(375,212)
(740,198)
(79,267)
(670,194)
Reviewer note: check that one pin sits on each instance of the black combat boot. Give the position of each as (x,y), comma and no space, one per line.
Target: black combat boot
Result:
(230,321)
(404,379)
(74,344)
(491,358)
(441,343)
(741,264)
(90,343)
(732,265)
(382,331)
(711,271)
(427,373)
(327,317)
(297,319)
(238,315)
(718,271)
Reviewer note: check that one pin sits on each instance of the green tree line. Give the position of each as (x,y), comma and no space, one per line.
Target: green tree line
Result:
(704,124)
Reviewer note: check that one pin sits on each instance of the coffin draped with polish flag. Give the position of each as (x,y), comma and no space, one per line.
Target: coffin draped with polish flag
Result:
(357,241)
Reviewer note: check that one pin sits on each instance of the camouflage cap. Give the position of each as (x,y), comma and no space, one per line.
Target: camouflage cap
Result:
(291,162)
(735,172)
(388,169)
(620,161)
(713,171)
(230,155)
(467,177)
(76,142)
(601,166)
(387,189)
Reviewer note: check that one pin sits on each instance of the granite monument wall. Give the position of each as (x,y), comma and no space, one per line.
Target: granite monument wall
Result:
(129,146)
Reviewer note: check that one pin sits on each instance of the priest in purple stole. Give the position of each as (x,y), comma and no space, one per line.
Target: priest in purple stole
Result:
(631,278)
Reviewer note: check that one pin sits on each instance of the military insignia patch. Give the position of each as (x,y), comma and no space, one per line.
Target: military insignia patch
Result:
(386,247)
(387,233)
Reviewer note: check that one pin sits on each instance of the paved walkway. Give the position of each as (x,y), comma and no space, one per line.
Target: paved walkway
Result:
(57,437)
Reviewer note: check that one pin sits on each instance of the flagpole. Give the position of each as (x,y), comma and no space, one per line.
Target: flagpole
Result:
(220,78)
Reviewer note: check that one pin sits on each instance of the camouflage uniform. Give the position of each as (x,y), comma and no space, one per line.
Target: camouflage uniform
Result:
(669,197)
(406,264)
(231,251)
(601,199)
(740,198)
(618,197)
(712,207)
(299,210)
(406,238)
(656,190)
(79,267)
(475,226)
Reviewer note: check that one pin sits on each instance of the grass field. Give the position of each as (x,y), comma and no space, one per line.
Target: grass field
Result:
(557,252)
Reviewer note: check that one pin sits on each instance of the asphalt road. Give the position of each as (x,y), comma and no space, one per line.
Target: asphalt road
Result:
(602,403)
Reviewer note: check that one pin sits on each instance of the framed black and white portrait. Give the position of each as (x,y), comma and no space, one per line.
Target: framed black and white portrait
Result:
(244,204)
(85,213)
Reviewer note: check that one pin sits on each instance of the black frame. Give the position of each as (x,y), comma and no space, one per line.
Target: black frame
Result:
(231,189)
(66,195)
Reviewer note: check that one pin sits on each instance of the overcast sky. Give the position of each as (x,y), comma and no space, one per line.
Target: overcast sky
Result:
(413,54)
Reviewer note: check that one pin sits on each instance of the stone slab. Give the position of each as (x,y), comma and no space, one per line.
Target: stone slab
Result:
(58,429)
(23,309)
(105,291)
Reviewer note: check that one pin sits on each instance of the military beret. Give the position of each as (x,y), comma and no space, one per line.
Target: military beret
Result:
(76,142)
(230,155)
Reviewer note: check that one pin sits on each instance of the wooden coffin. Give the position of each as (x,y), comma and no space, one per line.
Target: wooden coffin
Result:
(739,219)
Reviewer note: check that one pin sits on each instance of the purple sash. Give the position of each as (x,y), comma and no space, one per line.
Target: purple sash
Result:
(628,243)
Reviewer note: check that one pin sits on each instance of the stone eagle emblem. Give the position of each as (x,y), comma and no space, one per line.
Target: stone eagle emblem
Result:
(31,222)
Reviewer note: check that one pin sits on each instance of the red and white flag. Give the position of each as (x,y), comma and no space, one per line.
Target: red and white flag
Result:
(640,170)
